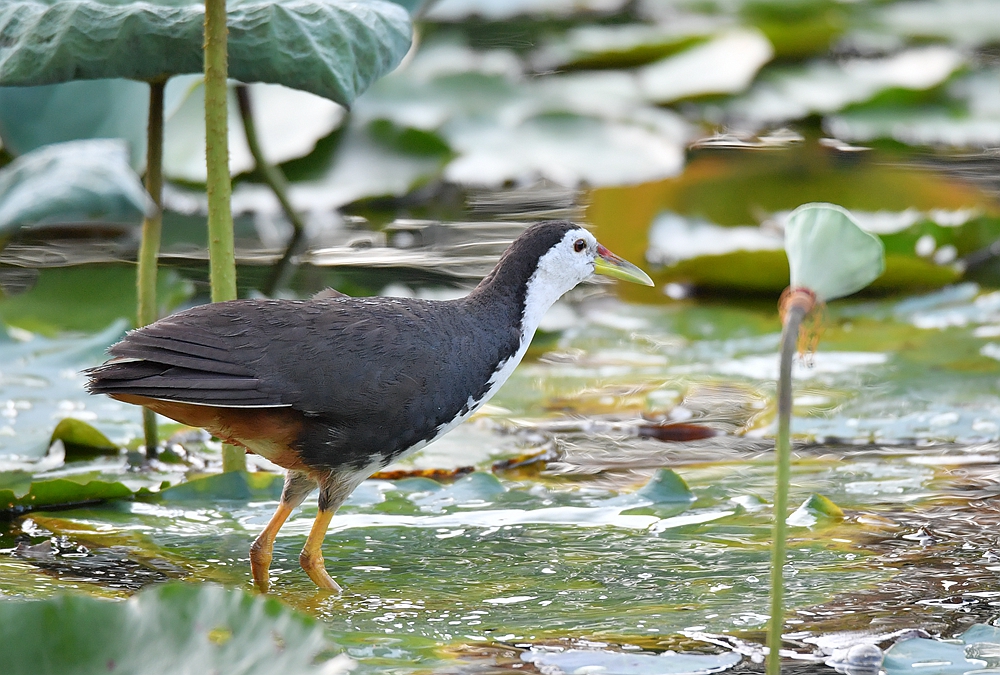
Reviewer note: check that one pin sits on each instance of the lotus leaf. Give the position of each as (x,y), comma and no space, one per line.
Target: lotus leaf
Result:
(333,48)
(166,629)
(829,253)
(74,181)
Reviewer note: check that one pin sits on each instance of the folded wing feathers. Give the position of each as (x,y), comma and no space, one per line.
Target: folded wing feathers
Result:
(177,362)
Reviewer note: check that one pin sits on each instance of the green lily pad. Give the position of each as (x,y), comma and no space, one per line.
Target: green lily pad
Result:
(726,64)
(235,485)
(333,48)
(566,149)
(815,510)
(823,87)
(166,629)
(72,182)
(616,46)
(82,440)
(17,483)
(61,492)
(829,253)
(667,487)
(620,663)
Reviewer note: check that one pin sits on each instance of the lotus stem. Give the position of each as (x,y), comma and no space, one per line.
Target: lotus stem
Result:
(275,179)
(149,248)
(221,250)
(796,304)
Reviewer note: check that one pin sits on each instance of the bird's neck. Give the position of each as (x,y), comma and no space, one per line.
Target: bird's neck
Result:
(513,295)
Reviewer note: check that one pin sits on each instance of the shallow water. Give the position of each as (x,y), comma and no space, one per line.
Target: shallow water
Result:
(890,423)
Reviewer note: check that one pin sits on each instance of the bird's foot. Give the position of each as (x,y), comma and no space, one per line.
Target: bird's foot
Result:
(260,562)
(312,563)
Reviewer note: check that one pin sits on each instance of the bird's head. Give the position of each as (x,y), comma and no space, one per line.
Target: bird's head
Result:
(550,258)
(575,255)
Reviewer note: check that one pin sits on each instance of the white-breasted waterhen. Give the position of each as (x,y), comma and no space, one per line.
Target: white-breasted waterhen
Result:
(336,388)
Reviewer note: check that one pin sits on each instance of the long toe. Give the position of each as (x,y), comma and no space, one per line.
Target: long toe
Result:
(313,565)
(260,563)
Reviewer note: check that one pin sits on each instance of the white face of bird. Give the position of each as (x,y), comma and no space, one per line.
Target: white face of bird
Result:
(574,258)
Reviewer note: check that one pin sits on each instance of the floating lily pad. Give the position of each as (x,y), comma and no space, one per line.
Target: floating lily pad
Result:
(829,253)
(459,10)
(71,182)
(82,440)
(815,510)
(565,149)
(620,663)
(824,87)
(965,22)
(667,487)
(165,629)
(620,46)
(726,64)
(74,490)
(350,46)
(17,483)
(234,485)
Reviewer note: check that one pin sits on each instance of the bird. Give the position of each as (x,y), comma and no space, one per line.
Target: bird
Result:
(335,388)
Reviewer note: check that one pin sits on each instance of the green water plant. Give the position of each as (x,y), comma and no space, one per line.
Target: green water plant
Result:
(829,257)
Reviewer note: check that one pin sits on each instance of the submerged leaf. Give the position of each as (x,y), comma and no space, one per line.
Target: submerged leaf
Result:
(165,629)
(829,253)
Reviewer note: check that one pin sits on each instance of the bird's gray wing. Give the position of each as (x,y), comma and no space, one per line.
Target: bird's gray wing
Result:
(205,355)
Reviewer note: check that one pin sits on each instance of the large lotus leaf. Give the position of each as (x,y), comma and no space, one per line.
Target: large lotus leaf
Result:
(31,117)
(175,628)
(288,124)
(459,10)
(565,149)
(823,87)
(829,253)
(924,127)
(333,48)
(71,182)
(969,23)
(618,46)
(726,64)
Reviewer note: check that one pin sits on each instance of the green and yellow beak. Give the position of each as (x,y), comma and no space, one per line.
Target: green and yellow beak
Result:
(609,264)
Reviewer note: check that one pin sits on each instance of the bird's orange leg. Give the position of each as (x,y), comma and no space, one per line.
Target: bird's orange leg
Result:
(334,488)
(311,557)
(297,486)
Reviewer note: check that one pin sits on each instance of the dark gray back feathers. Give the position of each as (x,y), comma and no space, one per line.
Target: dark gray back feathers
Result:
(371,376)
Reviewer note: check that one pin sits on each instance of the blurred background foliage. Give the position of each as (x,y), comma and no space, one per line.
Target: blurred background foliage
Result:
(657,121)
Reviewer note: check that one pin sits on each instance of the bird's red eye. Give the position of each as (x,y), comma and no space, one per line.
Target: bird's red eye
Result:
(579,245)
